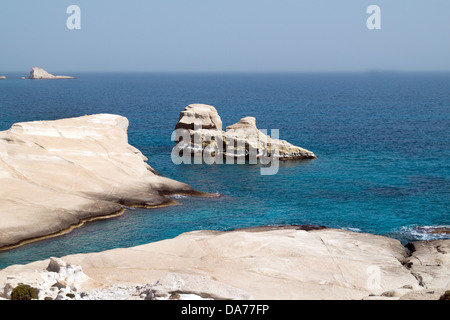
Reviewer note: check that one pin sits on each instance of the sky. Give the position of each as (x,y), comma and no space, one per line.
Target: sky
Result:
(224,36)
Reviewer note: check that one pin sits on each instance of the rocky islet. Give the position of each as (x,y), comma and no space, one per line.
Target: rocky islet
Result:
(198,132)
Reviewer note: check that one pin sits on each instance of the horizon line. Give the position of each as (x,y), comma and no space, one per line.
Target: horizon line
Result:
(241,72)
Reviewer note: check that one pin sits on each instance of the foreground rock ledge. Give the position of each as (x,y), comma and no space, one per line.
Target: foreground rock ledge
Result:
(259,263)
(57,174)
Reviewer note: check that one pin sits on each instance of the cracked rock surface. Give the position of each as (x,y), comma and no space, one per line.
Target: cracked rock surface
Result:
(429,262)
(270,263)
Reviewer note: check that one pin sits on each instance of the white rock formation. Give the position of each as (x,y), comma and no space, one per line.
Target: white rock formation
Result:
(246,130)
(39,73)
(241,140)
(58,282)
(267,263)
(430,263)
(199,115)
(57,174)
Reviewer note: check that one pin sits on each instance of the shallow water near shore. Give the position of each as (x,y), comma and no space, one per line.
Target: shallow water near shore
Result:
(382,141)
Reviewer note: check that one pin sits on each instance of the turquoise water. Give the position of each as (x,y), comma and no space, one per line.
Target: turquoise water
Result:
(382,141)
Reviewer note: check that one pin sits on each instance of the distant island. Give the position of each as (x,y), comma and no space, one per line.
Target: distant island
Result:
(2,77)
(41,74)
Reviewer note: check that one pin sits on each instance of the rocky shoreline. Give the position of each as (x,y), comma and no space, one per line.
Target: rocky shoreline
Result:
(62,173)
(268,263)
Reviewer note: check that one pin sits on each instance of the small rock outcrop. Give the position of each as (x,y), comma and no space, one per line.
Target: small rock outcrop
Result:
(41,74)
(429,262)
(203,115)
(240,140)
(245,130)
(60,281)
(2,77)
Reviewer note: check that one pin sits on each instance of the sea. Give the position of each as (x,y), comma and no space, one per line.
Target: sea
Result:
(382,141)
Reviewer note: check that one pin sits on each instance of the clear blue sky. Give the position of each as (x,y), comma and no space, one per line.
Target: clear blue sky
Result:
(224,35)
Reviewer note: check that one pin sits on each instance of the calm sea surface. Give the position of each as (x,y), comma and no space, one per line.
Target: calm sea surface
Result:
(382,141)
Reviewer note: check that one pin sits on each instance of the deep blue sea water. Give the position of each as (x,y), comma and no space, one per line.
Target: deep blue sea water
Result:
(382,141)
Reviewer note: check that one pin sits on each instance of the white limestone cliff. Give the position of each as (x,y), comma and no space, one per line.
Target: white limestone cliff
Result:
(57,174)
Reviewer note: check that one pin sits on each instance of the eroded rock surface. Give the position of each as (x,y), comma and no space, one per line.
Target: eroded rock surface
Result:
(243,139)
(259,263)
(429,262)
(57,174)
